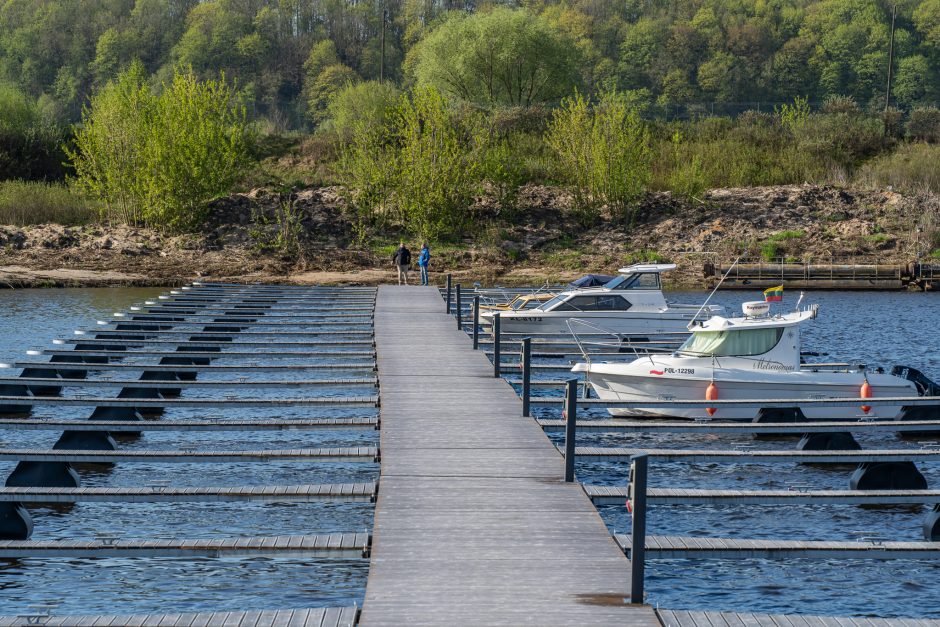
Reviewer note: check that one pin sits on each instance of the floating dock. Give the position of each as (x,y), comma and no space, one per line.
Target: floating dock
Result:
(474,523)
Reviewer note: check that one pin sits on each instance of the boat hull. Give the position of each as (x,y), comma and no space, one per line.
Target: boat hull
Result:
(793,385)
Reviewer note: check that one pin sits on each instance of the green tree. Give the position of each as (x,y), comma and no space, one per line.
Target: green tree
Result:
(499,57)
(156,159)
(603,153)
(369,104)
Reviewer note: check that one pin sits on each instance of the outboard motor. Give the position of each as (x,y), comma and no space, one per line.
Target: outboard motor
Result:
(925,387)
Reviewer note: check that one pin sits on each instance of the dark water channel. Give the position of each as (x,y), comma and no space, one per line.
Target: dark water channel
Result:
(878,329)
(31,319)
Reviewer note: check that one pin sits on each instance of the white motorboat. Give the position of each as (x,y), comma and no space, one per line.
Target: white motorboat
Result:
(631,304)
(754,357)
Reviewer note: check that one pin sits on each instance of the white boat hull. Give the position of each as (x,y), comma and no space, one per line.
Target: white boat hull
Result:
(792,385)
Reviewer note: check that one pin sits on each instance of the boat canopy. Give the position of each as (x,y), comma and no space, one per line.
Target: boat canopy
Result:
(732,343)
(591,280)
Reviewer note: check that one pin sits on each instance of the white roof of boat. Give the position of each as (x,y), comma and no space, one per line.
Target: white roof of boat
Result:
(720,323)
(647,267)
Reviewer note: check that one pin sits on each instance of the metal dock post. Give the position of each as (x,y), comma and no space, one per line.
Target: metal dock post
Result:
(448,293)
(637,501)
(526,374)
(476,322)
(496,356)
(571,421)
(459,309)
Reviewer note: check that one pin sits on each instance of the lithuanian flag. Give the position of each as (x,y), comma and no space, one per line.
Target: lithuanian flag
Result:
(773,294)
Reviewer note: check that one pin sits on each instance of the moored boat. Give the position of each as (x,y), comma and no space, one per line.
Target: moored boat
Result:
(753,357)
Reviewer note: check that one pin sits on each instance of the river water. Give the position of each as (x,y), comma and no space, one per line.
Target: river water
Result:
(874,328)
(31,319)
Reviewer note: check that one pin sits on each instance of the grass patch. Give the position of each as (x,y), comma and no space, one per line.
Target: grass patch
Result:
(25,202)
(644,256)
(770,251)
(877,238)
(783,236)
(911,168)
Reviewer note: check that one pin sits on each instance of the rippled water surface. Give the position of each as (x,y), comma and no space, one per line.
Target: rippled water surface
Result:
(30,320)
(879,329)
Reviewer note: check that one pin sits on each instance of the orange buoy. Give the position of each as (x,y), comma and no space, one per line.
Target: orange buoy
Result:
(865,392)
(711,394)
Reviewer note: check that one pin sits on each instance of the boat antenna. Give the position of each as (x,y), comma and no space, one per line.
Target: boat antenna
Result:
(700,309)
(799,301)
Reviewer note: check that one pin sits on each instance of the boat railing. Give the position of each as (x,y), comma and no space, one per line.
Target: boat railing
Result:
(596,329)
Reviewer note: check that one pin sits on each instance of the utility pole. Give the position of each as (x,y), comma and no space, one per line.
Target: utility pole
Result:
(894,15)
(382,62)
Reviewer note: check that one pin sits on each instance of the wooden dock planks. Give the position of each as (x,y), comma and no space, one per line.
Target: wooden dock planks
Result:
(474,524)
(685,618)
(308,617)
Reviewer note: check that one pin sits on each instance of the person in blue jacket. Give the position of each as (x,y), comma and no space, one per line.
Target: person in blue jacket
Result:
(423,260)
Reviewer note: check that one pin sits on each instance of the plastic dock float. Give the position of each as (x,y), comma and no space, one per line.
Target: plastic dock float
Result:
(99,401)
(341,492)
(327,545)
(743,455)
(306,617)
(299,424)
(685,618)
(349,454)
(686,547)
(604,495)
(687,426)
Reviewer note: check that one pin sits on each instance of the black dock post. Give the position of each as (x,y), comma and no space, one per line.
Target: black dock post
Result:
(526,374)
(571,426)
(459,309)
(496,355)
(637,502)
(476,322)
(448,293)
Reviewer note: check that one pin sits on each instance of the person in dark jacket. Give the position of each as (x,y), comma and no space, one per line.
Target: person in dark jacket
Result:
(423,259)
(402,259)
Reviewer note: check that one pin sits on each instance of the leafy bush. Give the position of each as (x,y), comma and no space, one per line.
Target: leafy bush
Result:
(30,147)
(371,104)
(603,152)
(30,202)
(924,125)
(157,159)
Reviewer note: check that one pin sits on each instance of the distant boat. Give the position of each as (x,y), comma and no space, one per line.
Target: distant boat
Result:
(753,357)
(630,304)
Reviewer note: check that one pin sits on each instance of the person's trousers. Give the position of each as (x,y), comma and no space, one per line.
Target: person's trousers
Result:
(403,274)
(424,275)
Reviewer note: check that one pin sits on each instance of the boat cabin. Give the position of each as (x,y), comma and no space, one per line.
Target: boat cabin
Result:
(636,285)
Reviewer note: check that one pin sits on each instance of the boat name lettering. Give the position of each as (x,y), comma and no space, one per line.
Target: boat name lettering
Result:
(763,364)
(529,319)
(680,370)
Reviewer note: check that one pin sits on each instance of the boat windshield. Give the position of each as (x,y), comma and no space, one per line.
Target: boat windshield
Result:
(553,302)
(736,343)
(641,281)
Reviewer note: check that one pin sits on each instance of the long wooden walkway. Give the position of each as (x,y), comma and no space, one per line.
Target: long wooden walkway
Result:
(474,524)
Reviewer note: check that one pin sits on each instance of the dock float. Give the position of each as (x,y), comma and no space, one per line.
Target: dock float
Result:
(686,547)
(306,617)
(461,468)
(615,495)
(325,545)
(341,492)
(684,618)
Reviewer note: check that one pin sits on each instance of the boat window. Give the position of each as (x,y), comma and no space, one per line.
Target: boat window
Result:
(602,302)
(737,343)
(645,281)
